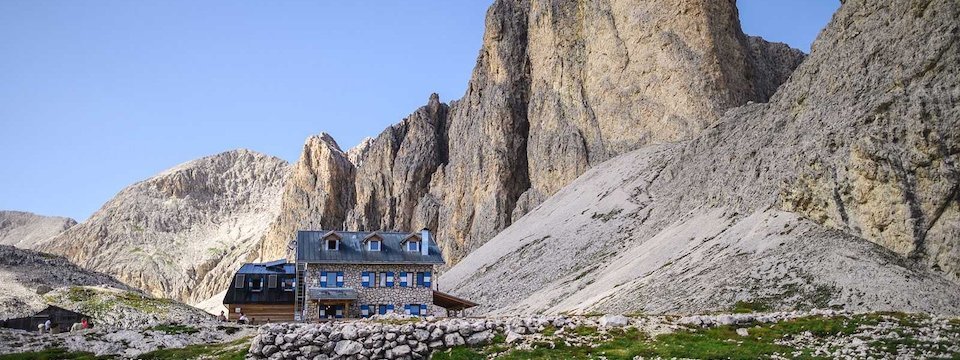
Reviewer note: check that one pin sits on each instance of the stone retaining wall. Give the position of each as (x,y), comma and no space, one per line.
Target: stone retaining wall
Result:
(374,339)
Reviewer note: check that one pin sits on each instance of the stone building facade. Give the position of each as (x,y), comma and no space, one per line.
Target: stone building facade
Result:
(371,294)
(350,274)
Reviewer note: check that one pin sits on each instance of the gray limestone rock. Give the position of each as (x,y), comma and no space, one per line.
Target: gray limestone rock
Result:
(452,340)
(347,347)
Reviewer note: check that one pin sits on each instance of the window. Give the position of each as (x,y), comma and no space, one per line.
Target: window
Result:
(374,245)
(272,281)
(383,309)
(238,281)
(416,279)
(415,309)
(256,284)
(333,244)
(330,279)
(413,246)
(288,284)
(373,279)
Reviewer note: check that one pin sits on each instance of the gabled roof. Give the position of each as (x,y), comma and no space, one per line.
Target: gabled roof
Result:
(331,233)
(373,235)
(410,237)
(310,249)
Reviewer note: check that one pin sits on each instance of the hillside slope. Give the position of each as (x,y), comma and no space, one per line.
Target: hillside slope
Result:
(559,86)
(842,192)
(28,275)
(182,233)
(24,230)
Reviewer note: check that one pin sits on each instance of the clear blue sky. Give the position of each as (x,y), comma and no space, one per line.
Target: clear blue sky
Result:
(96,95)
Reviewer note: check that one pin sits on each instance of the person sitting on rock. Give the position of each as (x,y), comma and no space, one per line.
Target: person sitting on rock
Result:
(84,323)
(243,319)
(222,317)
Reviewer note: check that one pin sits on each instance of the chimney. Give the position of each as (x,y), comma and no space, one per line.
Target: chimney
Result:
(425,242)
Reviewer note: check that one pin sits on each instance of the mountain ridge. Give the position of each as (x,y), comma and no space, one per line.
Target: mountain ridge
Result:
(840,189)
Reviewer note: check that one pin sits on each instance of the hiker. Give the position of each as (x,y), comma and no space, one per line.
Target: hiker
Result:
(45,327)
(243,319)
(222,317)
(84,323)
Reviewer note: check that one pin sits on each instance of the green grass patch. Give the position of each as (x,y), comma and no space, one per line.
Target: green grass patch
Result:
(458,353)
(54,354)
(235,350)
(229,330)
(549,330)
(584,331)
(175,329)
(747,307)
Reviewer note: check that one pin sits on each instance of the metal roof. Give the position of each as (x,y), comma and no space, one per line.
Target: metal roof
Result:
(273,267)
(310,248)
(331,294)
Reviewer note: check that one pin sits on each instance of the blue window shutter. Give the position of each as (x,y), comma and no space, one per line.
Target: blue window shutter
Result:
(423,309)
(364,310)
(390,279)
(323,279)
(406,309)
(419,279)
(340,279)
(403,279)
(427,279)
(365,279)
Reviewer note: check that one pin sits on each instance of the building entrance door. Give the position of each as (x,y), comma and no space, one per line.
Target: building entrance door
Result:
(330,311)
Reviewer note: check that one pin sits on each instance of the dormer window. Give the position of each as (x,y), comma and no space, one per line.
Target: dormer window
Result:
(413,246)
(331,241)
(374,241)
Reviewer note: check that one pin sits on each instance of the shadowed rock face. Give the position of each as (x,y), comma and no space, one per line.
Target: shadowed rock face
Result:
(182,233)
(841,191)
(559,86)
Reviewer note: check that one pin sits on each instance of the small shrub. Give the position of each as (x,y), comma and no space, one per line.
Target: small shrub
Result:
(175,329)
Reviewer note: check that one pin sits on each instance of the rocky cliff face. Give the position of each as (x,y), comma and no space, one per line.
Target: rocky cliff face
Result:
(317,195)
(559,86)
(182,233)
(841,191)
(24,230)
